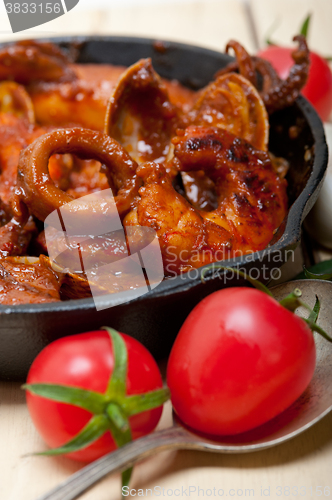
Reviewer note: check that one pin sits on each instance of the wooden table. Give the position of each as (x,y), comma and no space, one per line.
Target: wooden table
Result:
(302,462)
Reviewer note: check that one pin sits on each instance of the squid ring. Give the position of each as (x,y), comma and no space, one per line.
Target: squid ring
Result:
(36,188)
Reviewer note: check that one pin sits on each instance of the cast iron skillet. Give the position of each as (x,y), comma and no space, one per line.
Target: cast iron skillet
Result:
(156,317)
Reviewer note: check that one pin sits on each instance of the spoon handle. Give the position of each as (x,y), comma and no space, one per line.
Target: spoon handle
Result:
(121,459)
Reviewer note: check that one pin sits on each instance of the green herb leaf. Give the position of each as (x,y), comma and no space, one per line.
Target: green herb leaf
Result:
(92,401)
(93,430)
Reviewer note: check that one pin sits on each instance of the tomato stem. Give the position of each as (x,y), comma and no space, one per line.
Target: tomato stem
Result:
(121,432)
(292,301)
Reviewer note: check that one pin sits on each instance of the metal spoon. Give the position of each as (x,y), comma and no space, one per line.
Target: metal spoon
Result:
(311,407)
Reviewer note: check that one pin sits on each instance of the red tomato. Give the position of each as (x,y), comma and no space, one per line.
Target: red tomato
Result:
(239,360)
(86,361)
(318,89)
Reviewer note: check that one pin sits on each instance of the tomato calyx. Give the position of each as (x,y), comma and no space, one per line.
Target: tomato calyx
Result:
(291,302)
(110,411)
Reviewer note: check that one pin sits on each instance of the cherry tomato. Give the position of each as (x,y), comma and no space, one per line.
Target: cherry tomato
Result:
(86,360)
(318,89)
(239,360)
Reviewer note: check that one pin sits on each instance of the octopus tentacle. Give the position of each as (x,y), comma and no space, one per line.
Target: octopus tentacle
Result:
(270,78)
(288,90)
(36,188)
(275,92)
(244,61)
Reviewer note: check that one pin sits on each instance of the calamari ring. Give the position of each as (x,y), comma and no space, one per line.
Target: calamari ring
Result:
(15,99)
(36,188)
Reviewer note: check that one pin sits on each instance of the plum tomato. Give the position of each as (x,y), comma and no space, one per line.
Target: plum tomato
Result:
(239,360)
(87,361)
(318,88)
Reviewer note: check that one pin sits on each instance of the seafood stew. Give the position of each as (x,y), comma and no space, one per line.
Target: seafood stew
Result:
(148,317)
(192,166)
